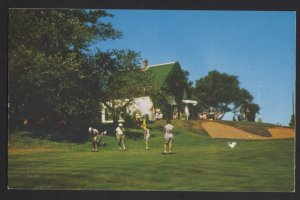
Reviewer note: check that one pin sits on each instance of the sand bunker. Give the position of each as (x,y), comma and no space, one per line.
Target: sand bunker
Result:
(218,130)
(281,132)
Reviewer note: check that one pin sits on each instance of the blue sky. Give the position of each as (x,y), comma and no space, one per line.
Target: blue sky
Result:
(257,46)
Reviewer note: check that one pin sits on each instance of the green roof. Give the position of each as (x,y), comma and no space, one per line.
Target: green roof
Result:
(161,72)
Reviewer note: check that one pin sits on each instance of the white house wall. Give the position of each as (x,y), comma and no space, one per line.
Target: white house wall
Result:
(142,104)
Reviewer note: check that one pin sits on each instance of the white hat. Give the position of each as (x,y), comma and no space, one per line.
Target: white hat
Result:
(120,124)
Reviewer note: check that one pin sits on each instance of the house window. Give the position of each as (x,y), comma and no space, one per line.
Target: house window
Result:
(108,115)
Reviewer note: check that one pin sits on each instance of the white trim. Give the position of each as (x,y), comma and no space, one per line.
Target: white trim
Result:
(111,121)
(187,101)
(161,64)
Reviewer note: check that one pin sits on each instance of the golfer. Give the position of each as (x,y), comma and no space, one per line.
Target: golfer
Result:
(95,138)
(146,135)
(169,138)
(120,135)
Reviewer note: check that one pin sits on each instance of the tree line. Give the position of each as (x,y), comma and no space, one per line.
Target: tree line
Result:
(54,79)
(221,93)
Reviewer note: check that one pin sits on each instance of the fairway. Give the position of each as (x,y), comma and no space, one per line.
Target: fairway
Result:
(199,163)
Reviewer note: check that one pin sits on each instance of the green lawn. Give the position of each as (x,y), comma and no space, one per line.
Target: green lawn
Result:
(199,163)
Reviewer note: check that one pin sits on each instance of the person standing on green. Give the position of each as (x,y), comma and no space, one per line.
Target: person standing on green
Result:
(169,137)
(146,134)
(120,135)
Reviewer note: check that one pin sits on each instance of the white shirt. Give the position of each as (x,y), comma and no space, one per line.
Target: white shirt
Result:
(119,130)
(186,110)
(168,129)
(93,131)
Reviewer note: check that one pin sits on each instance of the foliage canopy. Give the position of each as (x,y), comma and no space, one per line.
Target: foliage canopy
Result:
(221,92)
(52,75)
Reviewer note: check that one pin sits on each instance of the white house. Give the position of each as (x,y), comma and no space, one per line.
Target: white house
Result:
(142,106)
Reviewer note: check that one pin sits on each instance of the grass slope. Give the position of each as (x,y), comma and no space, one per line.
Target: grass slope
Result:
(199,163)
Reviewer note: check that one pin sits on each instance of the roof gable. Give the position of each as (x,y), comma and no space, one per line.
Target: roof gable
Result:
(161,72)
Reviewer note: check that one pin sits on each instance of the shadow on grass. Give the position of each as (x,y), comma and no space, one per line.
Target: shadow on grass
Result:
(61,137)
(134,135)
(76,136)
(171,153)
(69,135)
(53,135)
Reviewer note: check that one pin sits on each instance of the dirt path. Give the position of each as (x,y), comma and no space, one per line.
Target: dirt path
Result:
(218,130)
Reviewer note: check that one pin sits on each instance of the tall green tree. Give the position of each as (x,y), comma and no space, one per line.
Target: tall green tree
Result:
(220,92)
(176,83)
(249,110)
(159,99)
(292,121)
(49,73)
(123,79)
(174,88)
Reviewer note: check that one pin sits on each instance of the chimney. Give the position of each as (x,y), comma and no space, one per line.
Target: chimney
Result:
(145,64)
